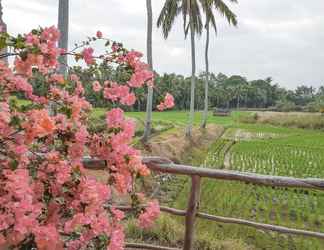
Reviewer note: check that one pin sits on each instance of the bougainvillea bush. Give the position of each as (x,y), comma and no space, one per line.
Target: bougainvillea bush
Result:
(46,200)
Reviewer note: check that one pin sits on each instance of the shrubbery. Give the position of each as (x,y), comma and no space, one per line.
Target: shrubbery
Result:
(46,200)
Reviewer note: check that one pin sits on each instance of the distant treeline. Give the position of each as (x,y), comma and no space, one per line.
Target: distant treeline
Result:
(237,92)
(233,92)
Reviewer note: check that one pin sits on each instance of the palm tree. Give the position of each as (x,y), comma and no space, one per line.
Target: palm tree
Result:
(3,28)
(223,9)
(63,26)
(191,9)
(149,104)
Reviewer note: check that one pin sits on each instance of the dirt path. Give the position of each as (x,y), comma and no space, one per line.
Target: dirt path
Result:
(175,146)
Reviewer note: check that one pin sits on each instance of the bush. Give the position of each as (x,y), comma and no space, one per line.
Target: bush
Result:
(296,120)
(47,200)
(286,106)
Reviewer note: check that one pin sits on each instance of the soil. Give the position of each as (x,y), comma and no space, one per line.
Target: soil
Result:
(175,146)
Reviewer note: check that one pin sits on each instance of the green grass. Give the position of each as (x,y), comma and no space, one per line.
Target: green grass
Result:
(177,117)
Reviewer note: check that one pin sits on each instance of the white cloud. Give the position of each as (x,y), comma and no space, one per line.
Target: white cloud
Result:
(279,38)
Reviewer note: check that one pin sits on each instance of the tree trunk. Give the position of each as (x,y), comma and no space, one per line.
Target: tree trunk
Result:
(149,104)
(193,81)
(205,115)
(3,28)
(238,102)
(63,26)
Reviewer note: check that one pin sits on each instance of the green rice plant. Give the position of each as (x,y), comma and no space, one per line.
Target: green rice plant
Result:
(297,153)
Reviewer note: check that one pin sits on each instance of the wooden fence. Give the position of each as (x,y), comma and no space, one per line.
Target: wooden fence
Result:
(192,212)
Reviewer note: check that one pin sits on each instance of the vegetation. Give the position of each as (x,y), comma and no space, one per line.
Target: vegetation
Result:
(265,150)
(46,128)
(48,200)
(224,91)
(255,148)
(295,120)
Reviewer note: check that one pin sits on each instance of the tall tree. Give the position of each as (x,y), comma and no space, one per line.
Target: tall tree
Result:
(63,26)
(189,9)
(3,28)
(223,9)
(149,104)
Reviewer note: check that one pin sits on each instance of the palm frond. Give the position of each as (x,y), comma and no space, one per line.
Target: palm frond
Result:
(224,10)
(167,16)
(191,14)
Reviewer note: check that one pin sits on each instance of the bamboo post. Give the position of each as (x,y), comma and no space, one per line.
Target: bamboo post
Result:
(191,213)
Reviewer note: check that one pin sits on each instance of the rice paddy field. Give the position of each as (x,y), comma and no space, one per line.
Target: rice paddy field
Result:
(265,150)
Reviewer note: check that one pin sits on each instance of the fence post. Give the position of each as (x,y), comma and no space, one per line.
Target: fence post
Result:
(192,210)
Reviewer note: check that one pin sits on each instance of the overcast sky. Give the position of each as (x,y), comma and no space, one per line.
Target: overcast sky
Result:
(283,39)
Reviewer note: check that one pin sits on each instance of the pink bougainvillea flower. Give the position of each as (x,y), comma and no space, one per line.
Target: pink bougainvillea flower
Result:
(87,54)
(151,212)
(46,196)
(74,78)
(115,117)
(117,239)
(99,34)
(58,78)
(167,103)
(47,237)
(96,86)
(39,124)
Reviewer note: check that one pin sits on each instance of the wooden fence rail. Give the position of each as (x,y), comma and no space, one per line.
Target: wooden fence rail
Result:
(166,166)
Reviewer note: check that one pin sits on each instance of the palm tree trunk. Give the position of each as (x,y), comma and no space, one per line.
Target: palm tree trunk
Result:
(3,28)
(205,115)
(193,81)
(149,104)
(63,26)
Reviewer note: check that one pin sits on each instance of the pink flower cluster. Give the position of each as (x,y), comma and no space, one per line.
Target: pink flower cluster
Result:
(87,54)
(99,34)
(46,197)
(167,103)
(150,213)
(121,93)
(142,74)
(96,86)
(45,42)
